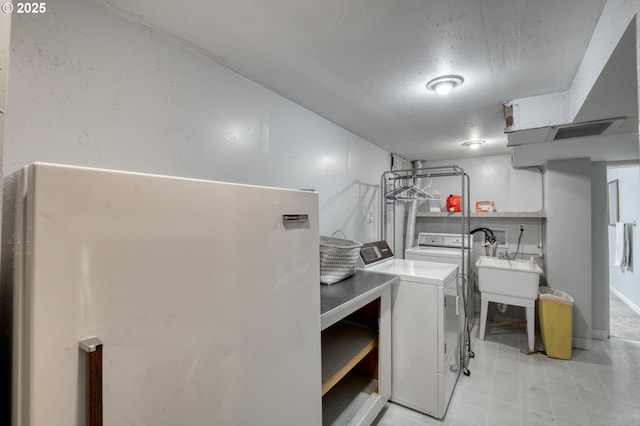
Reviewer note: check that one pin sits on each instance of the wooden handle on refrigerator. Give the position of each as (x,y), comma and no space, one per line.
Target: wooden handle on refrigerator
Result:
(93,349)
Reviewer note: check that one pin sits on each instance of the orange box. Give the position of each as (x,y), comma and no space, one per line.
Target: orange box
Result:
(485,206)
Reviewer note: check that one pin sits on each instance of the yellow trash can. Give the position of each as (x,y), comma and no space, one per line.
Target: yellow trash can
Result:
(556,326)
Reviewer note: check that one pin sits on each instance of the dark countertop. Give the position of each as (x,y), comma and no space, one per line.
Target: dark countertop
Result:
(334,295)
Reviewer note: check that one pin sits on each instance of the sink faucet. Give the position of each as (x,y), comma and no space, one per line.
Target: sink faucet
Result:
(491,247)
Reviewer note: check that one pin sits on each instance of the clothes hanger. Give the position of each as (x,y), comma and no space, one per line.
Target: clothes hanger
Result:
(407,192)
(432,192)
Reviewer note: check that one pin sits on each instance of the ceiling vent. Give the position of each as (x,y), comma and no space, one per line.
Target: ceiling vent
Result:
(563,131)
(582,130)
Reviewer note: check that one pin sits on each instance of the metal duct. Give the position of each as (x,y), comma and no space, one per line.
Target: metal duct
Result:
(562,131)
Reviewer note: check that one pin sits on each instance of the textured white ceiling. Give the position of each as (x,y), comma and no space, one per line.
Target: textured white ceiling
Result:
(363,64)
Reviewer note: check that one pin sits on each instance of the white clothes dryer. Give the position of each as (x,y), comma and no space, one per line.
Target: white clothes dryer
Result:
(425,309)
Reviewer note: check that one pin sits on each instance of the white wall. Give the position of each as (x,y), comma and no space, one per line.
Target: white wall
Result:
(600,252)
(626,283)
(568,238)
(6,294)
(612,24)
(87,87)
(492,179)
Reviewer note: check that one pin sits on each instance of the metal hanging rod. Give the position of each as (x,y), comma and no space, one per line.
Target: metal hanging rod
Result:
(428,172)
(429,175)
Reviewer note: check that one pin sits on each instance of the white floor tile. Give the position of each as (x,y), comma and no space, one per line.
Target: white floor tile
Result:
(569,412)
(596,387)
(530,416)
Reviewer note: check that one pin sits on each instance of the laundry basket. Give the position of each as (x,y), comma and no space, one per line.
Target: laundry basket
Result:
(556,324)
(338,259)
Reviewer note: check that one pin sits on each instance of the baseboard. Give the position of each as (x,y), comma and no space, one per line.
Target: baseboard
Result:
(599,334)
(581,343)
(626,301)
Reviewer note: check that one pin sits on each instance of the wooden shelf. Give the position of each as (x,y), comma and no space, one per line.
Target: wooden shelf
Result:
(356,349)
(489,215)
(347,398)
(344,345)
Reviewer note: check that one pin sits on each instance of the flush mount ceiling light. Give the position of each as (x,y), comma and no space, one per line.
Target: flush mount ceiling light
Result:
(445,83)
(473,144)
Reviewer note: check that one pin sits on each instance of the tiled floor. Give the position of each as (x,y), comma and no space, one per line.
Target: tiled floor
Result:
(600,386)
(624,321)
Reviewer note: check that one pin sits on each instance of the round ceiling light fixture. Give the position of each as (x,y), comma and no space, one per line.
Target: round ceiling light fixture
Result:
(445,84)
(475,144)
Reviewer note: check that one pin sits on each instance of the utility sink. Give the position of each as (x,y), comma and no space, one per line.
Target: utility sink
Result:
(514,278)
(513,282)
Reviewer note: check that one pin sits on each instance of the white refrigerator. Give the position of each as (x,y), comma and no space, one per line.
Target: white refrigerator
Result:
(204,295)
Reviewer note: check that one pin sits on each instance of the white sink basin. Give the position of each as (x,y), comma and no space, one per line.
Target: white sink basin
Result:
(513,278)
(514,282)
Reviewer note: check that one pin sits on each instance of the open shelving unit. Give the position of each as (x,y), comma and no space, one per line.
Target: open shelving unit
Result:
(488,215)
(356,375)
(344,346)
(348,400)
(399,185)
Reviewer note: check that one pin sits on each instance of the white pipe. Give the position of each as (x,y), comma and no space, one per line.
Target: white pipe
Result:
(540,236)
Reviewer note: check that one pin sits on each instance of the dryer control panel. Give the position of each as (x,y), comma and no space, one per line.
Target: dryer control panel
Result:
(375,252)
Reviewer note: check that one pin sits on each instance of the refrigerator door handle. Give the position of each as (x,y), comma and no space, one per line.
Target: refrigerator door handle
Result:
(287,218)
(92,346)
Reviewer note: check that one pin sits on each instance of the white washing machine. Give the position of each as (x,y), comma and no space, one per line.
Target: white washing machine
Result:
(425,335)
(447,248)
(439,247)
